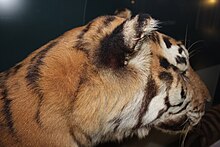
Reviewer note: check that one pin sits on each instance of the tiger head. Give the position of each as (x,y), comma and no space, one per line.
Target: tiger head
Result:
(109,79)
(152,67)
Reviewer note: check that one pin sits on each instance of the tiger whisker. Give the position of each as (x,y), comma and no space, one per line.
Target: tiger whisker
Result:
(181,136)
(183,130)
(194,44)
(185,122)
(194,50)
(193,54)
(186,35)
(185,135)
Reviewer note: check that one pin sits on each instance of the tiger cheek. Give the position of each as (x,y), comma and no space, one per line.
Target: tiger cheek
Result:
(199,88)
(198,98)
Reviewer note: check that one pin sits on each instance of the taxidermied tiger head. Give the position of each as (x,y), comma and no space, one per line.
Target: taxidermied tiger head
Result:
(109,79)
(152,71)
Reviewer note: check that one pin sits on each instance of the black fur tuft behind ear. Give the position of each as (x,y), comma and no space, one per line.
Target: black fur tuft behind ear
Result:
(117,48)
(113,49)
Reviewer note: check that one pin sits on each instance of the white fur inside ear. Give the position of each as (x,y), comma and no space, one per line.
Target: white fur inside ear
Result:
(151,25)
(130,29)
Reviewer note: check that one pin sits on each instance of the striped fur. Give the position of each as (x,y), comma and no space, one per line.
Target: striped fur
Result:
(207,132)
(107,80)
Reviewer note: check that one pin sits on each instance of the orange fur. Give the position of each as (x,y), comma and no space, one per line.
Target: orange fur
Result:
(79,98)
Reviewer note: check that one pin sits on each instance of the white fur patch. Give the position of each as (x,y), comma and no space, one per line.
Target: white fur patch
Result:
(130,33)
(156,104)
(172,53)
(142,61)
(130,113)
(152,25)
(128,118)
(142,132)
(175,94)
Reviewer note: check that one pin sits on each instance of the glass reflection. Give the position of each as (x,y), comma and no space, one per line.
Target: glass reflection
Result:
(11,7)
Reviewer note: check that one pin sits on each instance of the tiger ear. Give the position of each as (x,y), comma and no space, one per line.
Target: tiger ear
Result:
(117,47)
(123,13)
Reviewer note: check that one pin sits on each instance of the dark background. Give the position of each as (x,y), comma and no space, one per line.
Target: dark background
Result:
(25,25)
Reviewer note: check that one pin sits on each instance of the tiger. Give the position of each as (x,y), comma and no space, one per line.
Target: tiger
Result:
(115,77)
(207,131)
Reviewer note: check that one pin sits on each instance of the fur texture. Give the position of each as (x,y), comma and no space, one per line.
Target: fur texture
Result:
(107,80)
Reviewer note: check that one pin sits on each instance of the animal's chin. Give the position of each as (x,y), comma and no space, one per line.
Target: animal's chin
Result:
(175,126)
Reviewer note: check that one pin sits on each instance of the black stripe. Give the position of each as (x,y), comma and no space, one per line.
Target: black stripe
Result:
(16,68)
(181,60)
(33,76)
(180,50)
(116,122)
(107,20)
(166,76)
(164,62)
(154,37)
(182,93)
(160,113)
(6,100)
(81,81)
(40,102)
(167,103)
(85,30)
(6,109)
(167,42)
(10,72)
(106,23)
(174,125)
(184,108)
(174,68)
(81,44)
(166,65)
(150,92)
(88,139)
(34,68)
